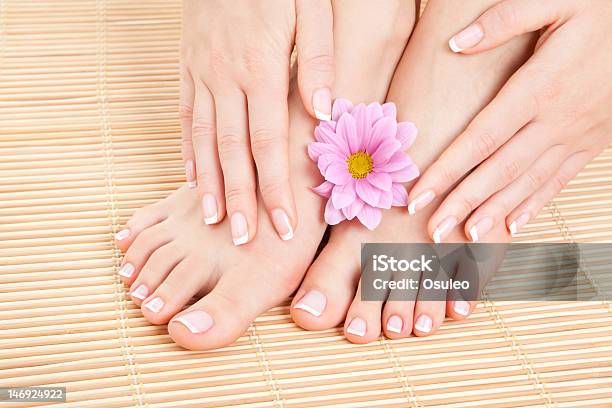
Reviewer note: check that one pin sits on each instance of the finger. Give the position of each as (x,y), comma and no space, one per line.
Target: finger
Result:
(237,164)
(208,168)
(506,20)
(494,174)
(494,210)
(530,207)
(506,114)
(186,101)
(315,55)
(268,125)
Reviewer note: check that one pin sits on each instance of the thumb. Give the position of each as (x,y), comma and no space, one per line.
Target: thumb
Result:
(315,55)
(506,20)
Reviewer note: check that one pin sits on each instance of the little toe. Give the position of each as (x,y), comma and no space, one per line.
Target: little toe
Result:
(142,219)
(362,324)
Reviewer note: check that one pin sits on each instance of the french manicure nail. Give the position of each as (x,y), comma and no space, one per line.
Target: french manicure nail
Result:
(481,227)
(282,224)
(123,234)
(240,232)
(423,324)
(126,270)
(322,103)
(190,174)
(141,292)
(357,327)
(155,305)
(467,38)
(197,321)
(395,324)
(313,302)
(461,307)
(422,200)
(209,204)
(444,228)
(519,223)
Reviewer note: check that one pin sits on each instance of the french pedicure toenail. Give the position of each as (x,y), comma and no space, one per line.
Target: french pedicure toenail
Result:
(423,324)
(240,231)
(282,224)
(190,174)
(357,327)
(123,234)
(461,307)
(481,227)
(209,204)
(395,324)
(141,292)
(126,270)
(155,305)
(197,321)
(322,103)
(313,302)
(421,201)
(519,223)
(467,38)
(444,228)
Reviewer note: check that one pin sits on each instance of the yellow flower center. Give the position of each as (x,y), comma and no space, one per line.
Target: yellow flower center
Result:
(359,164)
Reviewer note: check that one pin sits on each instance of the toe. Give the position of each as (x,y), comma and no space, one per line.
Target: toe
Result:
(362,323)
(397,318)
(428,316)
(142,219)
(460,309)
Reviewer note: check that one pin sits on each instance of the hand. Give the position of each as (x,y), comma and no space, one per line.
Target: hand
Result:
(547,122)
(235,61)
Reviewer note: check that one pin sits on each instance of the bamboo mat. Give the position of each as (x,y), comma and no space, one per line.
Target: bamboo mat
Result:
(89,132)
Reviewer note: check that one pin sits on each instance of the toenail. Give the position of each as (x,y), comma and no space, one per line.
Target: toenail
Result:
(462,307)
(282,224)
(395,324)
(197,321)
(126,270)
(155,305)
(423,324)
(209,203)
(357,327)
(141,292)
(313,302)
(240,231)
(123,234)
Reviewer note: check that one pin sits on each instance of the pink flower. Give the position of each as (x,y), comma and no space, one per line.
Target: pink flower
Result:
(361,154)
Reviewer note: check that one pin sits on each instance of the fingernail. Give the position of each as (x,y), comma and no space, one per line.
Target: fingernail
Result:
(395,324)
(126,270)
(313,302)
(240,232)
(141,292)
(197,321)
(282,224)
(155,305)
(423,324)
(467,38)
(420,201)
(210,209)
(321,103)
(481,227)
(519,223)
(190,173)
(444,228)
(461,307)
(357,327)
(123,234)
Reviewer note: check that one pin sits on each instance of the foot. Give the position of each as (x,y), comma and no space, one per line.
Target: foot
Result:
(440,92)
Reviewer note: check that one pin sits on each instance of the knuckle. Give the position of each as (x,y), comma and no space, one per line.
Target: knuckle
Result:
(448,176)
(273,188)
(535,179)
(321,63)
(229,143)
(509,170)
(484,146)
(263,140)
(239,194)
(467,203)
(505,15)
(202,130)
(185,111)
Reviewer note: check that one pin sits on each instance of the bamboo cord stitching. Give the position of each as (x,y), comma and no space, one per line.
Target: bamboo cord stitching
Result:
(398,369)
(264,365)
(2,35)
(516,347)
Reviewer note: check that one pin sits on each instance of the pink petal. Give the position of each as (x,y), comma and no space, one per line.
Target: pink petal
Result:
(347,130)
(375,112)
(328,124)
(404,175)
(386,200)
(398,161)
(400,195)
(385,128)
(326,135)
(352,210)
(337,173)
(367,192)
(324,189)
(385,150)
(339,107)
(381,181)
(370,216)
(332,215)
(325,160)
(343,196)
(390,110)
(316,149)
(406,134)
(363,127)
